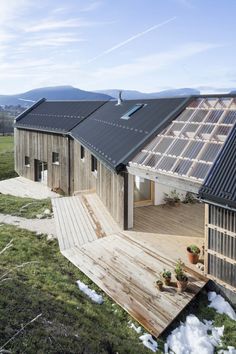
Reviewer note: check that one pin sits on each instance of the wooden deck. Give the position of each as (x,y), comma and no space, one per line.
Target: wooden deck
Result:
(122,264)
(182,220)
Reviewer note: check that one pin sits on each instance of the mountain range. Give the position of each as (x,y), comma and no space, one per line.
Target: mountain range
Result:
(71,93)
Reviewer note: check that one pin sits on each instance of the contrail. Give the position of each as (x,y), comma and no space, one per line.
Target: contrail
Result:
(132,38)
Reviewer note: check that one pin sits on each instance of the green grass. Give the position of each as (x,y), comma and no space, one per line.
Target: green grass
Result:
(25,207)
(7,157)
(70,322)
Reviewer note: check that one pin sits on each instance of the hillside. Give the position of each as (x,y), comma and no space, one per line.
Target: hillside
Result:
(51,93)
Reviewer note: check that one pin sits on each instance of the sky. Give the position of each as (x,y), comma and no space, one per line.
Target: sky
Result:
(144,45)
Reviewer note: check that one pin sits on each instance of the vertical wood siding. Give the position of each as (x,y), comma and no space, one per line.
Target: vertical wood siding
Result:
(221,245)
(40,146)
(107,184)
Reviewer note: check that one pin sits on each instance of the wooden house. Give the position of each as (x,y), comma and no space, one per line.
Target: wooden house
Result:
(131,153)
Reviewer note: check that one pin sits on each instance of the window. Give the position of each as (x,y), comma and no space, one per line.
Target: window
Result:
(94,163)
(27,161)
(82,152)
(55,158)
(130,112)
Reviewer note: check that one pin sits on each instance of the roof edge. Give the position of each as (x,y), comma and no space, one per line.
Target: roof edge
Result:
(28,110)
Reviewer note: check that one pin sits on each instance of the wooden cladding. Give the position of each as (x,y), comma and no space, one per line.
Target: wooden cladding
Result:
(221,245)
(222,270)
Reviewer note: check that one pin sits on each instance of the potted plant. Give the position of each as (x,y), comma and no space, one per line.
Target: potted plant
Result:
(181,277)
(193,253)
(159,284)
(166,276)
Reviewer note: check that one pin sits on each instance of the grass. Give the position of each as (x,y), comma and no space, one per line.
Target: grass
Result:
(70,322)
(25,207)
(7,157)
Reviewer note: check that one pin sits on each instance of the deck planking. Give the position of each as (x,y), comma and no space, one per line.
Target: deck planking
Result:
(125,265)
(127,273)
(181,220)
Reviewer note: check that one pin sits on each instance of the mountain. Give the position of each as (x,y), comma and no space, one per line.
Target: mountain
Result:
(52,93)
(71,93)
(132,94)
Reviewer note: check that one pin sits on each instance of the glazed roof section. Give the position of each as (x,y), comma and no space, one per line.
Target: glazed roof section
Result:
(115,133)
(220,184)
(56,116)
(188,147)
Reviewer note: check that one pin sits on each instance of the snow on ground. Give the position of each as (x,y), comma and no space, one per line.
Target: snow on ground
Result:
(194,336)
(149,342)
(218,303)
(90,293)
(138,329)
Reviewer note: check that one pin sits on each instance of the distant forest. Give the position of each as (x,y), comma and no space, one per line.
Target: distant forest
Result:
(7,116)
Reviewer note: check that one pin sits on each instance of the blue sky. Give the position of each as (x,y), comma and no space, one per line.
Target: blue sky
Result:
(146,45)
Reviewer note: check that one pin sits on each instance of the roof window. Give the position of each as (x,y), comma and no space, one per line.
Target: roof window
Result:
(133,110)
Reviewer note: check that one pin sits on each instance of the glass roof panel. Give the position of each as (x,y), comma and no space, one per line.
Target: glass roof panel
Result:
(182,167)
(163,145)
(230,117)
(166,163)
(177,148)
(210,152)
(152,160)
(185,115)
(199,115)
(214,116)
(190,144)
(200,170)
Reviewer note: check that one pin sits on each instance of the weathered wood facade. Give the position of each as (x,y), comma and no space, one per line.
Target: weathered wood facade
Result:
(40,146)
(220,240)
(70,173)
(107,184)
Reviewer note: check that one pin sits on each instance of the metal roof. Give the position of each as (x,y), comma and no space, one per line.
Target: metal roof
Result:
(220,184)
(56,116)
(115,140)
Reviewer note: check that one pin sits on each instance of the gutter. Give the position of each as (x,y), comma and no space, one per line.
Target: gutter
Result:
(226,206)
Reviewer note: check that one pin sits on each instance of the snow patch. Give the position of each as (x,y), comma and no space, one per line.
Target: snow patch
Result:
(221,306)
(149,342)
(90,293)
(137,329)
(194,337)
(230,350)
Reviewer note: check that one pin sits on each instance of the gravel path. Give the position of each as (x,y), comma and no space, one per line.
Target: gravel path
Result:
(44,226)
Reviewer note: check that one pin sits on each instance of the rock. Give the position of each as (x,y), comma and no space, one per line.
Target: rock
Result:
(47,212)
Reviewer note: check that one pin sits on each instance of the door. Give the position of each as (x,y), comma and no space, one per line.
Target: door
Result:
(143,191)
(41,171)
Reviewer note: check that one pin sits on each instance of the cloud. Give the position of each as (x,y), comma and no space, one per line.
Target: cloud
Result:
(138,35)
(53,40)
(62,24)
(91,7)
(152,63)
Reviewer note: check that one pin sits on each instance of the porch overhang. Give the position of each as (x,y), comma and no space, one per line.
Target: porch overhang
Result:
(183,183)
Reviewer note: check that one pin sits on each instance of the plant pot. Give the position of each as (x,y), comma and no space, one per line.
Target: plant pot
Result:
(159,286)
(167,281)
(192,257)
(182,285)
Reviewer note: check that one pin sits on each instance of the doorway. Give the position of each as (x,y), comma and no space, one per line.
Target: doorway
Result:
(143,191)
(41,171)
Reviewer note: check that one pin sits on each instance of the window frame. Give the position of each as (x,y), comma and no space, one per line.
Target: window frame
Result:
(94,164)
(82,152)
(27,159)
(55,161)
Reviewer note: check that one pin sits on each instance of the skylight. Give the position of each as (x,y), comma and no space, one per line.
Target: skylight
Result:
(130,112)
(190,144)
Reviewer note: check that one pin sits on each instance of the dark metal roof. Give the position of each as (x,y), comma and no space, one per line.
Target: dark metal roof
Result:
(115,140)
(220,184)
(56,116)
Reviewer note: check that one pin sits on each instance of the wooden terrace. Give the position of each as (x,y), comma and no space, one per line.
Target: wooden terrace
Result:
(124,264)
